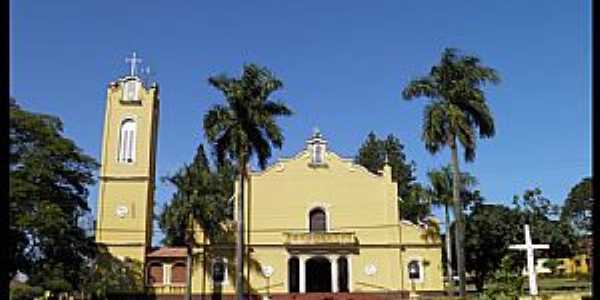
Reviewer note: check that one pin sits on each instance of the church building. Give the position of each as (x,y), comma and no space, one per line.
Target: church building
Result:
(315,222)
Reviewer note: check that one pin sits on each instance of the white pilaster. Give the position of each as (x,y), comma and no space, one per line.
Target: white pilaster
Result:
(167,274)
(334,273)
(302,265)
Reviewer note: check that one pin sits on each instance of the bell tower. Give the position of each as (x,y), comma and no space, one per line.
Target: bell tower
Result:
(127,173)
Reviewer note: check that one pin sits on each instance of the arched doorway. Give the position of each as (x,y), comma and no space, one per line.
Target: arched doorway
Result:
(318,275)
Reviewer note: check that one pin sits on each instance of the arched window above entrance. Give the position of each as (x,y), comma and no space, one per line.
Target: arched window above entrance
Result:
(318,220)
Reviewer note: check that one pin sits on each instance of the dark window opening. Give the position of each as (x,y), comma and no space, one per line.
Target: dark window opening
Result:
(218,271)
(318,220)
(414,270)
(342,263)
(294,275)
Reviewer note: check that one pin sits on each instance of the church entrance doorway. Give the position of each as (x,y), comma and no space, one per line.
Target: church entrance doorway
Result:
(318,275)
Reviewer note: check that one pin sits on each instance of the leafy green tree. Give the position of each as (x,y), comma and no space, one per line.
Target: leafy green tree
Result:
(23,291)
(490,230)
(457,113)
(208,205)
(577,209)
(535,209)
(440,193)
(415,206)
(110,275)
(48,189)
(506,283)
(245,127)
(201,196)
(373,154)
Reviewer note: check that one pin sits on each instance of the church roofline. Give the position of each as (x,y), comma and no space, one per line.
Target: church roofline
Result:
(298,155)
(168,252)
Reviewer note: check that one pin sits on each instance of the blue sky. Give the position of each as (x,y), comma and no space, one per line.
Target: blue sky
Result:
(343,64)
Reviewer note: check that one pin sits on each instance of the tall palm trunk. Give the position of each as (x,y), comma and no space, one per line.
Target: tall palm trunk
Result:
(239,247)
(448,251)
(458,219)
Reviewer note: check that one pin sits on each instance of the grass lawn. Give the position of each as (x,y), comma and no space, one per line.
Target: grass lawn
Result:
(562,284)
(546,286)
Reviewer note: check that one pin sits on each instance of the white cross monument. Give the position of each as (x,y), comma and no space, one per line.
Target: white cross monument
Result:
(533,291)
(133,61)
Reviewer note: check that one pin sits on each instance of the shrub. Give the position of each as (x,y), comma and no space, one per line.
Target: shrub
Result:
(23,291)
(505,284)
(552,264)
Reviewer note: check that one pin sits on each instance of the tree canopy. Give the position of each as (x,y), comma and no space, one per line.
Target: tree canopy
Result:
(577,209)
(48,189)
(458,106)
(246,125)
(373,154)
(201,192)
(491,228)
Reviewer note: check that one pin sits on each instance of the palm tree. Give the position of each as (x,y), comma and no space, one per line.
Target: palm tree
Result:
(457,112)
(440,192)
(244,127)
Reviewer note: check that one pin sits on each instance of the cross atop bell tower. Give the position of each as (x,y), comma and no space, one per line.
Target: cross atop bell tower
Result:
(133,61)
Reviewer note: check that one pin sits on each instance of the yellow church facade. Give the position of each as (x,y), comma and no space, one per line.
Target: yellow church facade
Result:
(315,222)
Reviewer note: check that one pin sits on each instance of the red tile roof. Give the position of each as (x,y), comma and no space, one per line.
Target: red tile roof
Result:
(168,252)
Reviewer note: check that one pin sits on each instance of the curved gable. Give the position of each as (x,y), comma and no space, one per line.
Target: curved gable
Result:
(332,162)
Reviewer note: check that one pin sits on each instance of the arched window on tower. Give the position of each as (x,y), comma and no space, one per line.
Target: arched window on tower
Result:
(127,141)
(318,220)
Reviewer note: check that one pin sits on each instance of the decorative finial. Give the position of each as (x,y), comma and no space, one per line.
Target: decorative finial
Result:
(386,161)
(147,75)
(316,132)
(134,60)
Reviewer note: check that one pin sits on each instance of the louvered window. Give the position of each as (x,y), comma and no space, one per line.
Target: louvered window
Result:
(318,220)
(127,141)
